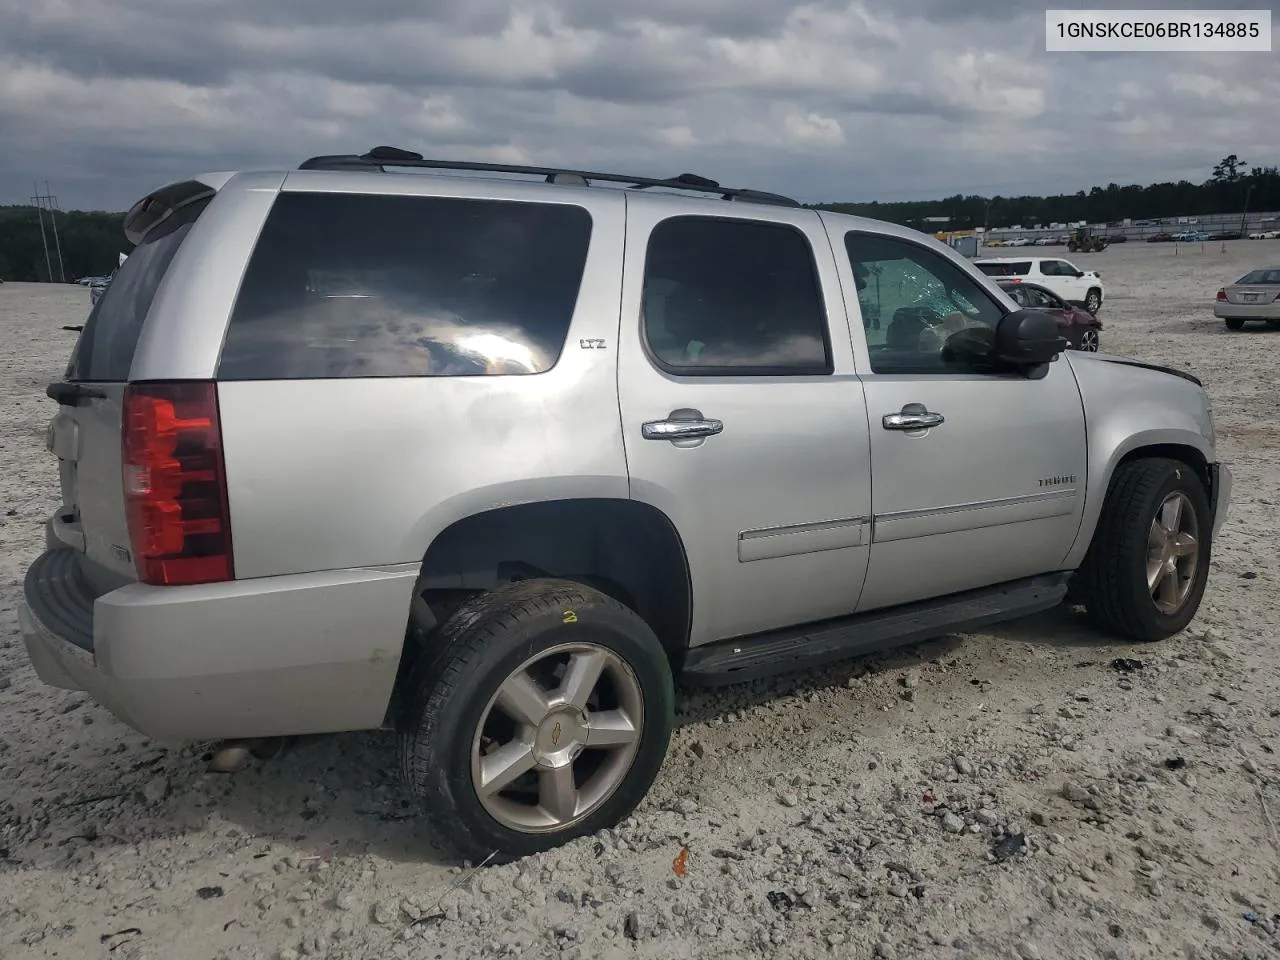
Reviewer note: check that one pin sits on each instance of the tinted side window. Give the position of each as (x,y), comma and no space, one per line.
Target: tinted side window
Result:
(352,285)
(935,317)
(104,352)
(1007,268)
(733,297)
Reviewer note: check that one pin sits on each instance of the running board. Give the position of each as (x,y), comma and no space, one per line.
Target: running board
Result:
(815,644)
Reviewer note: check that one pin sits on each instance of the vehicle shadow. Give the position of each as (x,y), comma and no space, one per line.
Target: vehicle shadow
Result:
(334,798)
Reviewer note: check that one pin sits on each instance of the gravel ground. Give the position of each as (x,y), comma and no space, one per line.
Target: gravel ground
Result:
(1012,793)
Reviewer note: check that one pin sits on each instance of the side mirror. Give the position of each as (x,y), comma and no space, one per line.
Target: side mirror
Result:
(1028,338)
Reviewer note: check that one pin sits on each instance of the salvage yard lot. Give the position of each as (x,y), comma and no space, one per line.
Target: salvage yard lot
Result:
(1022,792)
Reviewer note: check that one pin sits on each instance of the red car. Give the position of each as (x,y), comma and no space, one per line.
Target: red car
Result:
(1081,328)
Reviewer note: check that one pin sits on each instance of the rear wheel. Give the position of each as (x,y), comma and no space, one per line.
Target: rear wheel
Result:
(1234,323)
(1146,570)
(544,717)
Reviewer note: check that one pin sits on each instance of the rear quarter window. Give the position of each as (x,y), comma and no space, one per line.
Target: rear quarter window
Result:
(352,285)
(104,352)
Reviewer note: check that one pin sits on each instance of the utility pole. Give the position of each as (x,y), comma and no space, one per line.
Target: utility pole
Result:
(47,201)
(38,202)
(57,242)
(1244,216)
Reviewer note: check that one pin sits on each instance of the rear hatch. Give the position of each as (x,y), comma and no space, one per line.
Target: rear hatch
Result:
(1255,288)
(85,435)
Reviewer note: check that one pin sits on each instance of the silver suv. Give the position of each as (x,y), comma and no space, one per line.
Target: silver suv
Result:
(493,462)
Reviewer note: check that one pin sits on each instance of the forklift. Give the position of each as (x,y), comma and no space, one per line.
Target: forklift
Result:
(1085,240)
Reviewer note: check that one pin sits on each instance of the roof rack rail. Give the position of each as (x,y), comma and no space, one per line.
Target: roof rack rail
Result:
(379,158)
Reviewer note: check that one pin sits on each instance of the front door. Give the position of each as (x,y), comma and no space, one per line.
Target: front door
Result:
(979,478)
(742,416)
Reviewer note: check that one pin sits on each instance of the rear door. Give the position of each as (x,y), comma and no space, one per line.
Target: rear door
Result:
(742,416)
(85,434)
(1061,281)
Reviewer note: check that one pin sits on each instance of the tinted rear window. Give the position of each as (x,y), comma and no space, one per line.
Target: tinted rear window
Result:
(1017,268)
(104,352)
(350,285)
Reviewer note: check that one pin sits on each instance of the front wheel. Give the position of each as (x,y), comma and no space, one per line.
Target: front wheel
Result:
(546,716)
(1093,301)
(1147,567)
(1089,340)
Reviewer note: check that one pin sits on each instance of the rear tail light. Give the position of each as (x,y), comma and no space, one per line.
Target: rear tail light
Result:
(1222,294)
(175,483)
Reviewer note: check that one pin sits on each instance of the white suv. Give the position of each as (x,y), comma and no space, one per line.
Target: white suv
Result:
(1072,284)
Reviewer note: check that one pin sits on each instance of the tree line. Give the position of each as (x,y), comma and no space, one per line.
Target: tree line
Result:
(92,241)
(1230,189)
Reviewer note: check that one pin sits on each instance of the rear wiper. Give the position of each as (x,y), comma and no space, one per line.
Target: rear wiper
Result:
(72,394)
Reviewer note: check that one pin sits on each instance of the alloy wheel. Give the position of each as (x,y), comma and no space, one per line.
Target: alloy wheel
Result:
(1089,340)
(1173,553)
(557,738)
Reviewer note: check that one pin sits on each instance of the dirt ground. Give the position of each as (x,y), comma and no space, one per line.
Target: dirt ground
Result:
(1006,794)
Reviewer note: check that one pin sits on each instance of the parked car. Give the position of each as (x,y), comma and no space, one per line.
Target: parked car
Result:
(1083,287)
(1160,238)
(494,463)
(97,287)
(1255,296)
(1081,328)
(1265,235)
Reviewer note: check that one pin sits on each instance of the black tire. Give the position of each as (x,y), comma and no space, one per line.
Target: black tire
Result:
(485,640)
(1093,300)
(1234,323)
(1112,580)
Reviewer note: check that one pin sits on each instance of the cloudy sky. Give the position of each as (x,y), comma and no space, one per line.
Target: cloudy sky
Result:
(825,100)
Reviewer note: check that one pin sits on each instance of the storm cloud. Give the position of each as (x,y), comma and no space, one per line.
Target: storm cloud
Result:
(828,100)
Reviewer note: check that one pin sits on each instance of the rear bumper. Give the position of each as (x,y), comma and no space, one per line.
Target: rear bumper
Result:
(308,653)
(1246,311)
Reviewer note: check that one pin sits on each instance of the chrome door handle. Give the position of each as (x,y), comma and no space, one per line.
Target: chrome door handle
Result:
(681,425)
(914,416)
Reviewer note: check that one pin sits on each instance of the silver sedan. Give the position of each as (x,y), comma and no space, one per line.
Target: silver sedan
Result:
(1255,296)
